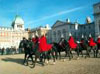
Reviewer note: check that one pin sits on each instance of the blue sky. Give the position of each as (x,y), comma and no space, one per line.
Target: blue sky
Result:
(41,12)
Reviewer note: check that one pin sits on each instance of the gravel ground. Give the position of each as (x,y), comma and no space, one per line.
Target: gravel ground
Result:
(12,64)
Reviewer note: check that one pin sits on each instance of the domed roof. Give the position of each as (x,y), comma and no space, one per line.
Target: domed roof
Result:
(19,20)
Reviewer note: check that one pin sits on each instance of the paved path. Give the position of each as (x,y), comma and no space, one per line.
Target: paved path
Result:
(12,64)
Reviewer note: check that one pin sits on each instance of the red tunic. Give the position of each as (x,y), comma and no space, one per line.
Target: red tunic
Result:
(98,40)
(82,42)
(34,40)
(43,46)
(71,42)
(91,42)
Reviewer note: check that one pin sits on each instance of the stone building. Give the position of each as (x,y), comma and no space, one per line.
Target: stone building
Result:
(61,28)
(11,36)
(39,31)
(96,9)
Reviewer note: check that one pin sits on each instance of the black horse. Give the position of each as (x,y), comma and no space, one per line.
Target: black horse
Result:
(41,55)
(60,47)
(83,46)
(44,55)
(70,49)
(27,45)
(93,48)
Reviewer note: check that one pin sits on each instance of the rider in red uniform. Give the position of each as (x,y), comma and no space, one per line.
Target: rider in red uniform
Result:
(72,43)
(43,46)
(91,41)
(98,40)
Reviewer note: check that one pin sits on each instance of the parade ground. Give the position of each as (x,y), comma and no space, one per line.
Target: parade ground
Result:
(12,64)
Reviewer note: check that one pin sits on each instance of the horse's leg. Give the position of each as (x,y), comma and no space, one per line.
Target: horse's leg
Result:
(41,57)
(88,51)
(56,55)
(56,52)
(66,53)
(69,53)
(44,56)
(77,50)
(27,59)
(81,52)
(93,48)
(31,59)
(53,55)
(59,55)
(36,56)
(97,51)
(25,56)
(48,55)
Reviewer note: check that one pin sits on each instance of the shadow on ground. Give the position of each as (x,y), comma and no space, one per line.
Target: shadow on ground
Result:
(19,61)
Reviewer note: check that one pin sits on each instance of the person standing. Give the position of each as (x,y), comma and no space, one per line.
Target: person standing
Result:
(2,51)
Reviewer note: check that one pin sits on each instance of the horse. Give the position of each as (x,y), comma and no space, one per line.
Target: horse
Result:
(83,45)
(92,46)
(44,55)
(27,45)
(60,47)
(72,46)
(41,55)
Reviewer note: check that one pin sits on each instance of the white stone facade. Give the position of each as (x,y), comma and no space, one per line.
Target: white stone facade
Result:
(10,37)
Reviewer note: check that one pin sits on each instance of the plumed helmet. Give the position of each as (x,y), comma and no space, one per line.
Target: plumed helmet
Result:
(62,36)
(82,36)
(36,33)
(90,35)
(33,36)
(70,34)
(99,36)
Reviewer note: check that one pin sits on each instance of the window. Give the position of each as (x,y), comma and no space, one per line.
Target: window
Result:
(54,35)
(64,33)
(99,22)
(84,27)
(89,27)
(70,27)
(19,26)
(99,7)
(59,35)
(59,32)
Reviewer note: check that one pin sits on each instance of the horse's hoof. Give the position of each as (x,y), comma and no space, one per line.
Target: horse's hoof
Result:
(78,58)
(85,57)
(64,60)
(54,63)
(47,62)
(25,64)
(69,59)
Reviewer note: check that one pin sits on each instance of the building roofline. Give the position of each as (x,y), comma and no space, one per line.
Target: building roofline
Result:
(96,3)
(5,27)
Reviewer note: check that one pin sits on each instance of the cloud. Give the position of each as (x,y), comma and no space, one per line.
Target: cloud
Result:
(55,15)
